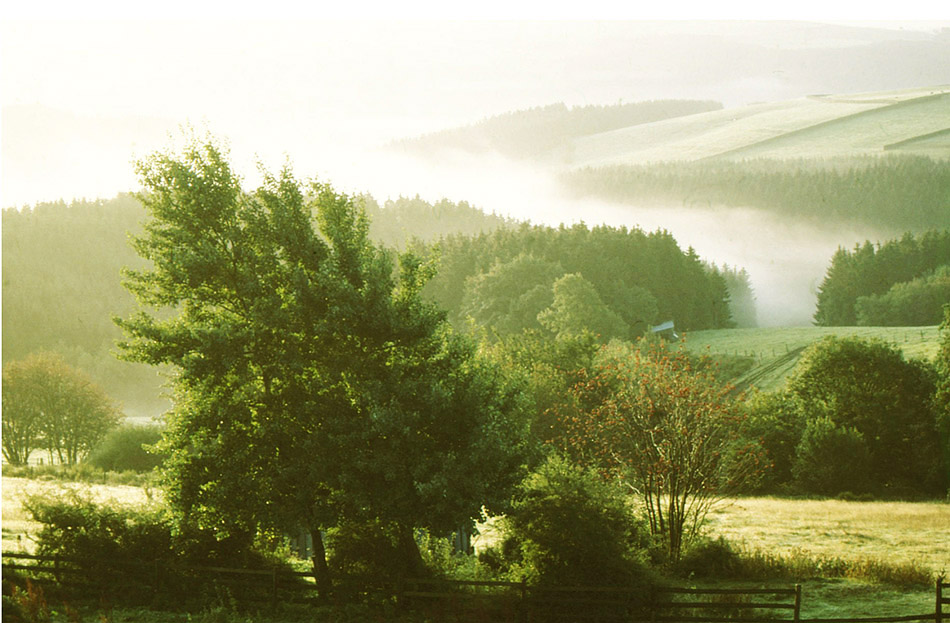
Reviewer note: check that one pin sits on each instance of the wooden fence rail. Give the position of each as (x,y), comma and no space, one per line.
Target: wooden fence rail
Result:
(117,576)
(505,601)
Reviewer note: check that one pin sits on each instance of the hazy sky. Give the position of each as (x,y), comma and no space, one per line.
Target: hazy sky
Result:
(83,97)
(88,88)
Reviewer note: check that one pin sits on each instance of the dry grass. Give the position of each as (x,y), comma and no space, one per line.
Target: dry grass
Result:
(17,525)
(898,533)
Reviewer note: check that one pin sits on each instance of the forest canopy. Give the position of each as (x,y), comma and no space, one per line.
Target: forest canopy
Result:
(901,282)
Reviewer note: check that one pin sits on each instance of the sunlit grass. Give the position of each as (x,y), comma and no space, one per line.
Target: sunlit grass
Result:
(912,534)
(17,524)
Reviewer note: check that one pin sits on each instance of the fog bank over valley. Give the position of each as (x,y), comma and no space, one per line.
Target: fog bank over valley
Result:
(786,259)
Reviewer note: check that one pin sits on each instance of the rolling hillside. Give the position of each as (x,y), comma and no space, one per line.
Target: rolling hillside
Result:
(776,351)
(911,121)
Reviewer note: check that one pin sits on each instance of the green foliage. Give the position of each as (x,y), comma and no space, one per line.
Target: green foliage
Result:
(120,546)
(577,309)
(509,297)
(548,368)
(62,284)
(867,386)
(776,423)
(309,368)
(865,281)
(398,222)
(48,404)
(364,554)
(942,395)
(640,277)
(741,295)
(26,603)
(570,527)
(127,449)
(913,303)
(709,558)
(831,459)
(719,559)
(77,527)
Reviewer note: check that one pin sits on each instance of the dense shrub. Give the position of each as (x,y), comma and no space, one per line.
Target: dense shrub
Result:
(127,449)
(121,549)
(719,559)
(709,558)
(570,527)
(868,386)
(775,422)
(913,303)
(832,459)
(364,553)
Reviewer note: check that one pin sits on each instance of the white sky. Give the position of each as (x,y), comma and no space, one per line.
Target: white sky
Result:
(93,86)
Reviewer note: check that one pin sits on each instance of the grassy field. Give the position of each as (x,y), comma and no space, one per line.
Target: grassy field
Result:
(849,125)
(898,532)
(776,350)
(17,525)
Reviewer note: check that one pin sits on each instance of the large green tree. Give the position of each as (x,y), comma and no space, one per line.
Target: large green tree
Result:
(313,384)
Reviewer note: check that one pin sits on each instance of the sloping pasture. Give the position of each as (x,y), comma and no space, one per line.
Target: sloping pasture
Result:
(776,351)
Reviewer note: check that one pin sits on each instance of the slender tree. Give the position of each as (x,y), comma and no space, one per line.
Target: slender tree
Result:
(48,404)
(668,431)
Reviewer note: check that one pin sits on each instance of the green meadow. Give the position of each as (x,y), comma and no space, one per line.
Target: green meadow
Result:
(774,352)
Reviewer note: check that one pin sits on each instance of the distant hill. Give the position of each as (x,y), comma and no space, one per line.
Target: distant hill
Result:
(547,132)
(823,126)
(763,358)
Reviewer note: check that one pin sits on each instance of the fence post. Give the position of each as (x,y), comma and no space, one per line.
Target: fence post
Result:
(798,602)
(938,611)
(523,603)
(274,594)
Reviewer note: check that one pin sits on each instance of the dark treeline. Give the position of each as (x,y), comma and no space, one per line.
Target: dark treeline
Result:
(895,193)
(901,282)
(399,221)
(504,279)
(532,132)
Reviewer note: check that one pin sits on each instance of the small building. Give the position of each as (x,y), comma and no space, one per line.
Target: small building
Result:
(666,330)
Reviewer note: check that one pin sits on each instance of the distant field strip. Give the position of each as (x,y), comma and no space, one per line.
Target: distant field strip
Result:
(707,134)
(923,138)
(816,126)
(863,132)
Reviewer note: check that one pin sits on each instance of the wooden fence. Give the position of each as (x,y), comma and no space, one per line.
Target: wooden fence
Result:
(479,600)
(520,602)
(110,579)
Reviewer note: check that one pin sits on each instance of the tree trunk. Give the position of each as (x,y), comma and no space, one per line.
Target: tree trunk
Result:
(321,571)
(409,551)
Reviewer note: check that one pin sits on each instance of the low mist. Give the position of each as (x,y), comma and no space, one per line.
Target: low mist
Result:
(786,260)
